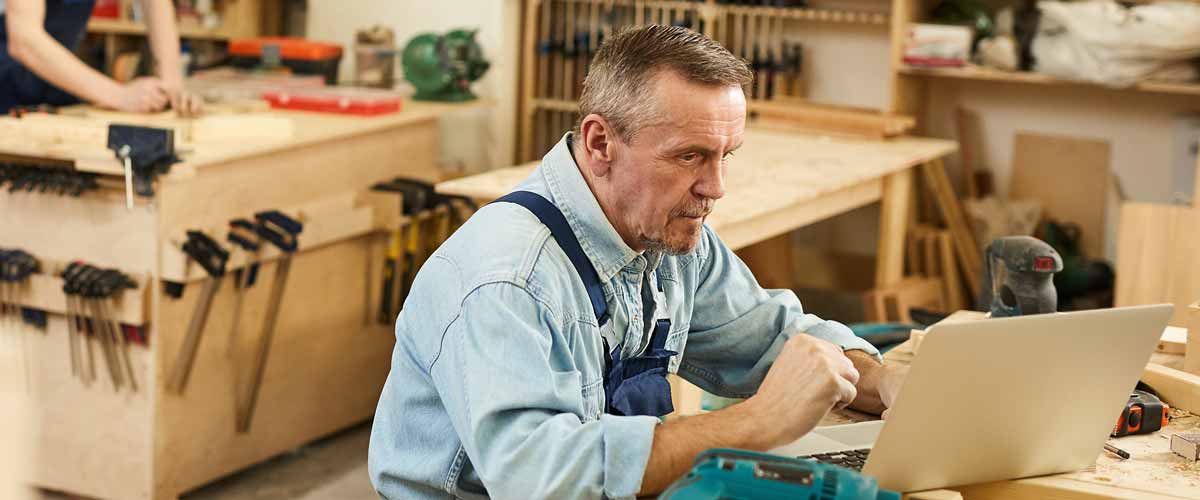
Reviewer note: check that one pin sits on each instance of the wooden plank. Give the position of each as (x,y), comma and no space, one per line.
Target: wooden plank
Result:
(1178,388)
(833,119)
(1191,362)
(44,292)
(1173,341)
(967,126)
(89,440)
(892,303)
(1074,191)
(1055,488)
(951,211)
(1156,249)
(893,226)
(95,228)
(951,278)
(934,495)
(326,222)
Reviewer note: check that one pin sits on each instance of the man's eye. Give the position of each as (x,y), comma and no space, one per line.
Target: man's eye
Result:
(689,157)
(727,156)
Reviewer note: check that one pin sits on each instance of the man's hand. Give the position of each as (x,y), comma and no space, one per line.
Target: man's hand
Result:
(879,384)
(141,95)
(809,378)
(889,385)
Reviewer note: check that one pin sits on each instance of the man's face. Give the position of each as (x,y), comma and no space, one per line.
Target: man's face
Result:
(668,177)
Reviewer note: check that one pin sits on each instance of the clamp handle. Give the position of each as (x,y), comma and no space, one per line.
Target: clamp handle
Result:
(278,229)
(241,233)
(206,252)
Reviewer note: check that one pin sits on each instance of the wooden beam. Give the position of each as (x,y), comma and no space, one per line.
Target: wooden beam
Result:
(1191,362)
(836,119)
(952,213)
(893,226)
(1180,389)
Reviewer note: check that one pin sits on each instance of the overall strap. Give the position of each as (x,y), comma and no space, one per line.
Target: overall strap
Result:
(552,218)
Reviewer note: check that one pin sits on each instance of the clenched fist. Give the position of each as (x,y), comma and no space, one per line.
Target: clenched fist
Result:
(809,378)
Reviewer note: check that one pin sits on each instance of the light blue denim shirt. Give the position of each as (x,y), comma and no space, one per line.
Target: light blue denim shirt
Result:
(496,387)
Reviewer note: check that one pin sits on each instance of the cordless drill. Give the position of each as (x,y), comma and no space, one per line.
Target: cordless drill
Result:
(725,474)
(1018,277)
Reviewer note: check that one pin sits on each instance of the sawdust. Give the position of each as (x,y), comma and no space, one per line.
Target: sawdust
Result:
(1193,467)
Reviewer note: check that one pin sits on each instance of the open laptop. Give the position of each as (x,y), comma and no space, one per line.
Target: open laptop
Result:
(1002,398)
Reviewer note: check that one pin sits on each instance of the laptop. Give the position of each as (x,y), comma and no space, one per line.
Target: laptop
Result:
(999,399)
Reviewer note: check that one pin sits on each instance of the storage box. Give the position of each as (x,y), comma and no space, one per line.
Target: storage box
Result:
(297,54)
(1186,445)
(342,100)
(937,45)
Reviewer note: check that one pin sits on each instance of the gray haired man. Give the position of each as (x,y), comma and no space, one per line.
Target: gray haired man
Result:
(532,352)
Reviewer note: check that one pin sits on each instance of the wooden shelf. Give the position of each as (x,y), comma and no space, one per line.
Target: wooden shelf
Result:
(126,27)
(556,105)
(992,75)
(804,14)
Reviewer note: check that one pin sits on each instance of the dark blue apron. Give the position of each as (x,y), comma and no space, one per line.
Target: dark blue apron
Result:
(65,21)
(634,386)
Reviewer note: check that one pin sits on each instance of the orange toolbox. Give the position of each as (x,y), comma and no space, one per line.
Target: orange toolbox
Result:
(301,56)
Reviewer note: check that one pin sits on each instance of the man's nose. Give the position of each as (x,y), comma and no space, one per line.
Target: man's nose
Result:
(711,183)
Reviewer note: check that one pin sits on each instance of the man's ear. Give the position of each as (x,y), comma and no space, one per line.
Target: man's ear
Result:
(597,139)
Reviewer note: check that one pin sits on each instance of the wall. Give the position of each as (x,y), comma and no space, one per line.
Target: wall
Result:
(473,140)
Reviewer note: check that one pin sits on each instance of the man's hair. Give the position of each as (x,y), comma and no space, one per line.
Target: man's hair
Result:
(624,68)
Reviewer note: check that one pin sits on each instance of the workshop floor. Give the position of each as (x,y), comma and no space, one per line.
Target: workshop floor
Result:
(334,468)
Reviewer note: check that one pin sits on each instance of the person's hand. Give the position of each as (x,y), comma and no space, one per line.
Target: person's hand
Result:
(141,95)
(889,385)
(809,378)
(183,102)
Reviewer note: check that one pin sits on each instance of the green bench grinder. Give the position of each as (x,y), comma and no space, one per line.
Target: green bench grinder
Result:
(442,67)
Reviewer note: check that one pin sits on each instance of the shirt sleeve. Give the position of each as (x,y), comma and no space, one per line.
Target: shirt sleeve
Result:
(738,328)
(504,374)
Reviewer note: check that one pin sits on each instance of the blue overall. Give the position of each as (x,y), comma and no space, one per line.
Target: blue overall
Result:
(634,386)
(65,21)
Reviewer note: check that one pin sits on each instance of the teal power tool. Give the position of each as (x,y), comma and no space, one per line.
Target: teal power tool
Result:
(442,67)
(724,474)
(1018,277)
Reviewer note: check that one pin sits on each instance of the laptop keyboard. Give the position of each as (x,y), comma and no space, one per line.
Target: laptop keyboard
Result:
(852,459)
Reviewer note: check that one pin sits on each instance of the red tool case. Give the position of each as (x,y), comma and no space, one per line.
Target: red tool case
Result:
(344,100)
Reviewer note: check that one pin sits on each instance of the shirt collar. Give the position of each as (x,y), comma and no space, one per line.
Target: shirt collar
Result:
(571,194)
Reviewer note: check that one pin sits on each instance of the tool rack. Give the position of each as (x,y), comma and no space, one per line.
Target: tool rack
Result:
(561,36)
(329,356)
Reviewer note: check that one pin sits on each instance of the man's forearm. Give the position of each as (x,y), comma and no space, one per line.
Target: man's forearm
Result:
(679,440)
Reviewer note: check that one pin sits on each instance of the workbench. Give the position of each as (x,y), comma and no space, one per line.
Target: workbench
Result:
(1153,472)
(780,181)
(329,357)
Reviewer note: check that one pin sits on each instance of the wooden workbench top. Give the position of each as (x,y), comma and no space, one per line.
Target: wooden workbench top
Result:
(772,172)
(79,134)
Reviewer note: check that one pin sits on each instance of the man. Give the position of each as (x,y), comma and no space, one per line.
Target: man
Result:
(37,65)
(531,353)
